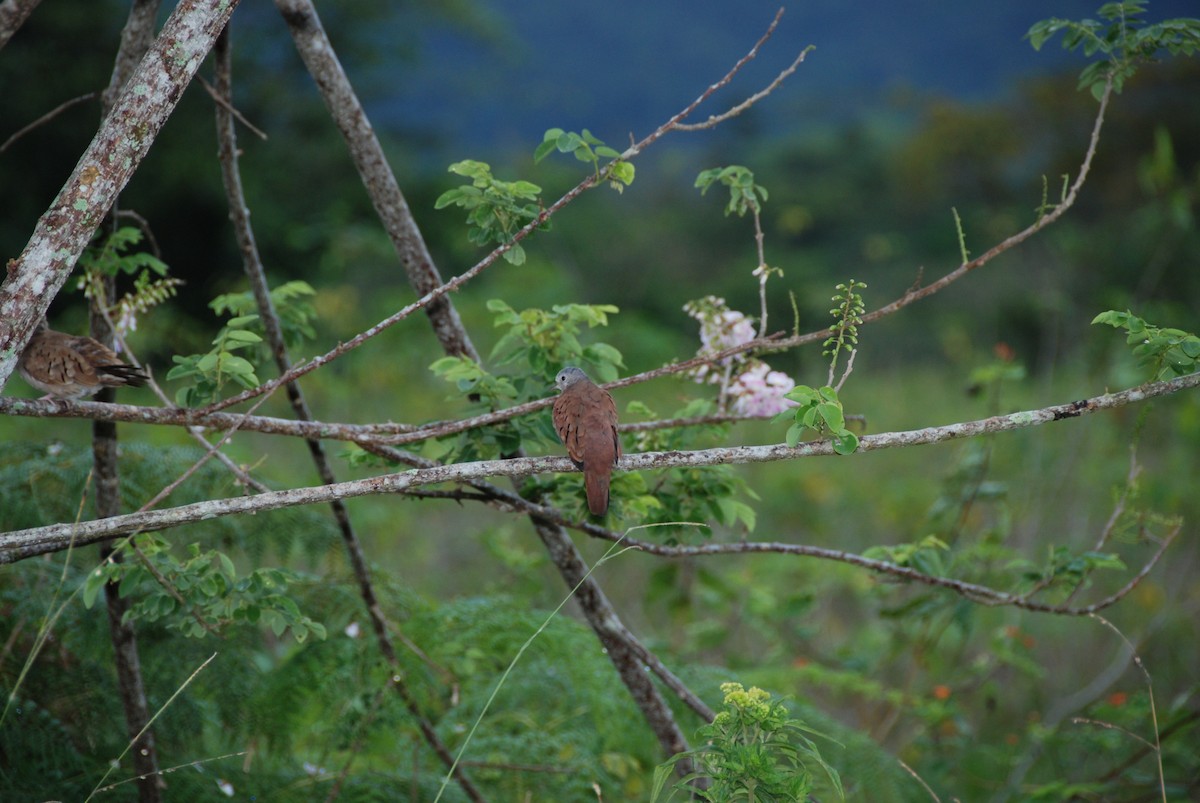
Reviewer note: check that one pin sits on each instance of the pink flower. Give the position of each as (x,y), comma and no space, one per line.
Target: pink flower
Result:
(758,391)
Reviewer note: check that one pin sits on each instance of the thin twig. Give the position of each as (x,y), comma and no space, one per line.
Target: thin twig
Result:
(748,102)
(229,107)
(920,780)
(1137,660)
(47,117)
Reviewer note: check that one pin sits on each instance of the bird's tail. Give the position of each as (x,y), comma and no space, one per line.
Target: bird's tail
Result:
(596,484)
(124,375)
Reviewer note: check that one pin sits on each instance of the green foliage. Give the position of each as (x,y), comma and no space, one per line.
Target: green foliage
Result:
(819,410)
(545,340)
(111,258)
(1123,37)
(744,195)
(1066,570)
(925,556)
(293,306)
(535,345)
(685,494)
(211,595)
(210,372)
(754,751)
(496,209)
(587,148)
(1166,353)
(847,315)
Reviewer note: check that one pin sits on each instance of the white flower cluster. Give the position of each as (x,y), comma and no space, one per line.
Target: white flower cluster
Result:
(755,390)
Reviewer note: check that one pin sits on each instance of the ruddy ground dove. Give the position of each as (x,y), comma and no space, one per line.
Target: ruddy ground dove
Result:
(70,367)
(586,420)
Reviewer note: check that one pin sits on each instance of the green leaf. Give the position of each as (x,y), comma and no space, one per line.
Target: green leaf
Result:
(795,431)
(515,255)
(449,197)
(845,443)
(543,150)
(96,580)
(240,321)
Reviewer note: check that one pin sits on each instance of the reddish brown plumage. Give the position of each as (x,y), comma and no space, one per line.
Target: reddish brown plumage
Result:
(585,417)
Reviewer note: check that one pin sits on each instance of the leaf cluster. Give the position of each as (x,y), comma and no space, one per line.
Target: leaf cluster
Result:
(211,371)
(744,195)
(109,257)
(1123,37)
(754,750)
(819,410)
(1165,352)
(587,148)
(496,210)
(293,307)
(847,315)
(212,594)
(535,345)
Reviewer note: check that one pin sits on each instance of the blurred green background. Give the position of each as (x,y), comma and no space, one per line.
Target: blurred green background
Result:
(864,157)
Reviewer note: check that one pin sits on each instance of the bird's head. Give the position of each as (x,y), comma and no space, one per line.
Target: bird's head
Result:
(569,376)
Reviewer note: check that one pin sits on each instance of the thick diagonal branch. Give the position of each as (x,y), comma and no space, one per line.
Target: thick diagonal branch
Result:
(124,138)
(385,193)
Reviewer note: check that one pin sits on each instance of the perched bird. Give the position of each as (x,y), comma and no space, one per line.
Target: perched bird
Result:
(585,418)
(70,367)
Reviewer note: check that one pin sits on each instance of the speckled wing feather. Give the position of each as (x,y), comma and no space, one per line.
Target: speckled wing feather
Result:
(71,367)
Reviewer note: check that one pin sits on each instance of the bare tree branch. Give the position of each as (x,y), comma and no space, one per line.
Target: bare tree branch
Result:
(40,540)
(391,206)
(45,118)
(137,36)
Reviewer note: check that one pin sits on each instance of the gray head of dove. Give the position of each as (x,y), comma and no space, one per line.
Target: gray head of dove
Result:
(569,376)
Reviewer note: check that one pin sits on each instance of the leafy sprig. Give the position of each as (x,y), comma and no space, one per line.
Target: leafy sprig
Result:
(293,306)
(744,195)
(1123,37)
(110,257)
(587,148)
(211,371)
(819,410)
(847,314)
(753,750)
(209,587)
(496,209)
(1166,352)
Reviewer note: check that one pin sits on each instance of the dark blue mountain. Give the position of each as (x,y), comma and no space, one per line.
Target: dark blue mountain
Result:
(623,66)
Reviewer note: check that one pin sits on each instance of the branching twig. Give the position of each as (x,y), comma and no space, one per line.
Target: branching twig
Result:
(256,274)
(717,119)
